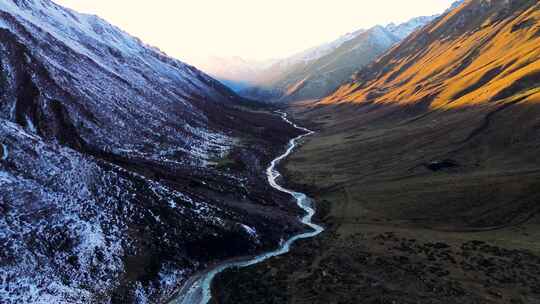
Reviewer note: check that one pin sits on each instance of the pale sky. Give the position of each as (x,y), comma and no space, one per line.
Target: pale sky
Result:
(252,29)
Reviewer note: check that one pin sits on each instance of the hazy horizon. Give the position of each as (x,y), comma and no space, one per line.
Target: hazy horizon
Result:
(252,30)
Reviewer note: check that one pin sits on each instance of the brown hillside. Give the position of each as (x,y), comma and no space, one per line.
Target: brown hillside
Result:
(484,51)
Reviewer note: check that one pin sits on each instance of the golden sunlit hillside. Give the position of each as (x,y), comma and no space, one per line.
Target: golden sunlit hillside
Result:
(484,51)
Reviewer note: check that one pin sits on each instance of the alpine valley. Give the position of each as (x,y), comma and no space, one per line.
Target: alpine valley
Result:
(127,176)
(425,171)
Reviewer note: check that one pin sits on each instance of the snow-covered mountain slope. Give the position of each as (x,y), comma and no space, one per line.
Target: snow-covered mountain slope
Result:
(104,72)
(122,171)
(318,71)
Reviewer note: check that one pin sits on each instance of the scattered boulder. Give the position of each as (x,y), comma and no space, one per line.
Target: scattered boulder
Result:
(439,165)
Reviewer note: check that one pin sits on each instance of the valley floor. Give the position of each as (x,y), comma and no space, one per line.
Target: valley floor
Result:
(420,207)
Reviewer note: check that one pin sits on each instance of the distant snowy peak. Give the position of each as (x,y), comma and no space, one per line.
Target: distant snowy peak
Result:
(381,36)
(320,51)
(400,31)
(405,29)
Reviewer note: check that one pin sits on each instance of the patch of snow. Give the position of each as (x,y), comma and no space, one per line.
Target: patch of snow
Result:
(140,295)
(30,125)
(5,152)
(6,178)
(251,231)
(208,145)
(91,237)
(169,276)
(18,130)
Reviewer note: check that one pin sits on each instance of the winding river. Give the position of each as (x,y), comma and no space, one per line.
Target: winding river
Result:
(197,290)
